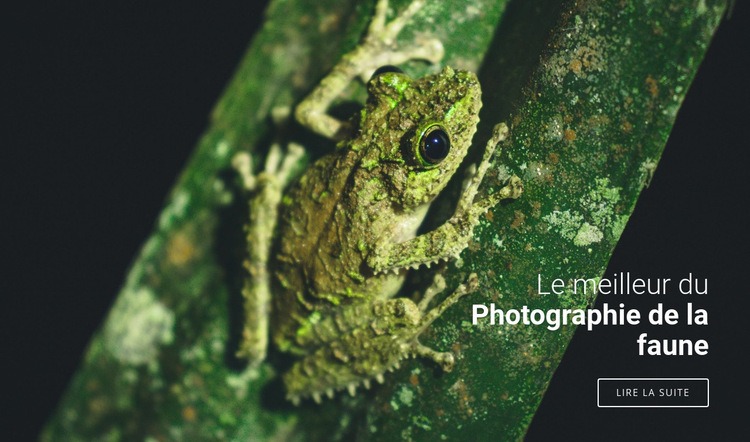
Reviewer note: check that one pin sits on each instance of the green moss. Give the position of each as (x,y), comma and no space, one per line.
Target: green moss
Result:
(590,90)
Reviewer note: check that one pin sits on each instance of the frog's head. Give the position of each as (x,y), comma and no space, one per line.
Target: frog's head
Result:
(417,132)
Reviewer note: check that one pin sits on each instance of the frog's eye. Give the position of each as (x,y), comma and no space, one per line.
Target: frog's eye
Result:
(434,145)
(385,69)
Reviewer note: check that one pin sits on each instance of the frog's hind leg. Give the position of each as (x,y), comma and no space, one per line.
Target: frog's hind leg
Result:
(266,188)
(377,49)
(382,35)
(373,343)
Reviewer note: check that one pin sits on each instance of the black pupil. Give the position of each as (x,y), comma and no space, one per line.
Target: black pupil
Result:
(435,146)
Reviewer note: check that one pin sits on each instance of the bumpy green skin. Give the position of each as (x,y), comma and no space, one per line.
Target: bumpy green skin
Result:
(349,207)
(347,229)
(370,193)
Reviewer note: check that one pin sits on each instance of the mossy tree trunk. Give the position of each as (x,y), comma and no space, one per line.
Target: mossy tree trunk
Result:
(590,90)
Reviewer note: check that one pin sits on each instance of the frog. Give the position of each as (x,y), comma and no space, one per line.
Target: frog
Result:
(329,250)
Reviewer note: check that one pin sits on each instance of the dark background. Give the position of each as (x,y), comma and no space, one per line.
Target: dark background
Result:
(104,105)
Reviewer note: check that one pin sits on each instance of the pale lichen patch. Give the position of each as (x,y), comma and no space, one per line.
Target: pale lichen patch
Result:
(503,173)
(540,171)
(597,217)
(600,205)
(406,396)
(138,325)
(587,234)
(565,222)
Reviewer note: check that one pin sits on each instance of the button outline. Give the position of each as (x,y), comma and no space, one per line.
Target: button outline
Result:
(708,392)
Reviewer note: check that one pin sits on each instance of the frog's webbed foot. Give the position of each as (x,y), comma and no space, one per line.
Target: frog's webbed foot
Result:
(445,359)
(266,188)
(377,49)
(278,169)
(513,189)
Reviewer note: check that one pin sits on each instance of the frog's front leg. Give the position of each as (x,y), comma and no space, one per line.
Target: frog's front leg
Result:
(448,240)
(266,188)
(377,49)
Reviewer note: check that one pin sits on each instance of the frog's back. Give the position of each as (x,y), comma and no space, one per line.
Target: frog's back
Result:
(312,229)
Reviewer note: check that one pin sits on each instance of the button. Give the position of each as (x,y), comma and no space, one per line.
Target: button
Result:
(652,392)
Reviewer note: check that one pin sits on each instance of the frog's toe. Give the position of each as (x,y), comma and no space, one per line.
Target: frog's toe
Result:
(446,359)
(242,163)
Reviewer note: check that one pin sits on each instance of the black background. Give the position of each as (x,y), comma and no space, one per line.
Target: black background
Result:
(105,102)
